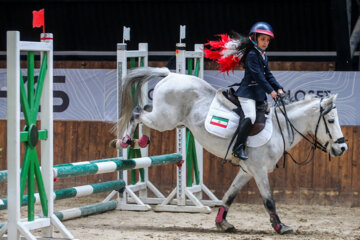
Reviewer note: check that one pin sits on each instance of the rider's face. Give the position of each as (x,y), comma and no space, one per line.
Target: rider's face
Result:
(263,41)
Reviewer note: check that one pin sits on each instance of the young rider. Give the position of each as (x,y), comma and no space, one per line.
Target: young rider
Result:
(258,78)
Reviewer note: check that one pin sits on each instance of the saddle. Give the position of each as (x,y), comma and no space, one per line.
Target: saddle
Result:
(261,110)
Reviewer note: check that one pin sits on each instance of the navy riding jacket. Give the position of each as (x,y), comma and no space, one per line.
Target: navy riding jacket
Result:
(258,78)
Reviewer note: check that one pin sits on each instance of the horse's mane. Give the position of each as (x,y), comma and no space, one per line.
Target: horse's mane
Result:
(291,103)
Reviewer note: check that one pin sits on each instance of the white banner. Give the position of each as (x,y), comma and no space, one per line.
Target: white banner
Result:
(90,94)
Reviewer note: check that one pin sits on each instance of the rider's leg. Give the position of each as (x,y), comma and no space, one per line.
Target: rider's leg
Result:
(240,180)
(262,182)
(249,108)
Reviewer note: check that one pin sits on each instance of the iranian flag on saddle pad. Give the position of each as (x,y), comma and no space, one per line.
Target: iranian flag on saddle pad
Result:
(220,120)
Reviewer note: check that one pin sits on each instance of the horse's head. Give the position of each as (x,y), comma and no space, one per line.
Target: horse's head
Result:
(328,131)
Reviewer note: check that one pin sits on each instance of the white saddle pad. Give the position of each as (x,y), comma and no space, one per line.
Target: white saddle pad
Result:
(223,122)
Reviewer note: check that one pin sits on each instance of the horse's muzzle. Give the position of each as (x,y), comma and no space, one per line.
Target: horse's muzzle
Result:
(339,149)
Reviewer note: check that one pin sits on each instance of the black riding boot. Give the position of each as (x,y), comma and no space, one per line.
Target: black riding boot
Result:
(239,147)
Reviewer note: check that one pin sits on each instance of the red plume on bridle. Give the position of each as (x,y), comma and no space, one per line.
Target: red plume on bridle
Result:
(224,52)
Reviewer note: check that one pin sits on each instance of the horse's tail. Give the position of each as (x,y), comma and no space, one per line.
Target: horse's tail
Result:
(135,79)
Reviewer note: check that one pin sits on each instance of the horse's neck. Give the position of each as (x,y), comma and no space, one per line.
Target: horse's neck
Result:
(303,118)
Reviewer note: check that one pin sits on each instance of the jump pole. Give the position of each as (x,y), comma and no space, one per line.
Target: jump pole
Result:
(16,227)
(96,167)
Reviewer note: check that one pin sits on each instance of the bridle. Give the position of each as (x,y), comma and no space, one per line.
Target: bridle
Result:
(314,140)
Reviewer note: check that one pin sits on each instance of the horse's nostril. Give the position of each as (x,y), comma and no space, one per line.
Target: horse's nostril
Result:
(342,149)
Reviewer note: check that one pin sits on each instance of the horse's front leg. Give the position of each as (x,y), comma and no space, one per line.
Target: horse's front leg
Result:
(262,182)
(240,180)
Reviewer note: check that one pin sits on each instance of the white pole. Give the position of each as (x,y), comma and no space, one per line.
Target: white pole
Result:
(13,132)
(121,72)
(47,146)
(181,132)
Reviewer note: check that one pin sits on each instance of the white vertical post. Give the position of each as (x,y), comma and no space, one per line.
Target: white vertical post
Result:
(121,73)
(13,131)
(199,48)
(47,146)
(144,151)
(199,149)
(180,58)
(181,132)
(181,171)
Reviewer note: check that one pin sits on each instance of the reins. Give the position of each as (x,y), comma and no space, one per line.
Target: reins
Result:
(314,142)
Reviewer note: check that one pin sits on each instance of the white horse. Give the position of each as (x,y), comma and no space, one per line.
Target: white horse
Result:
(184,100)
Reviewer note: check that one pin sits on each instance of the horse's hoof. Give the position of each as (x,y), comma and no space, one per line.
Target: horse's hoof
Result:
(283,229)
(225,226)
(125,141)
(143,141)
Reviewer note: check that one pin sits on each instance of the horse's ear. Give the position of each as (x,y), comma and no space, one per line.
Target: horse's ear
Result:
(329,101)
(335,96)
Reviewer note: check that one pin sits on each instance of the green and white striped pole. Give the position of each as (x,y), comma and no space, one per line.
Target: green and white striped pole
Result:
(74,192)
(116,165)
(86,210)
(107,165)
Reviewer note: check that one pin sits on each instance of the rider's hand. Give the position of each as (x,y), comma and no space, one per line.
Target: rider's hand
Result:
(281,92)
(273,94)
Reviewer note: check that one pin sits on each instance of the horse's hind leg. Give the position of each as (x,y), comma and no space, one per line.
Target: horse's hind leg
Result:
(127,140)
(262,181)
(240,180)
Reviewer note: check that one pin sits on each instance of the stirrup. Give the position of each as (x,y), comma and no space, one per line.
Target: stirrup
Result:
(240,153)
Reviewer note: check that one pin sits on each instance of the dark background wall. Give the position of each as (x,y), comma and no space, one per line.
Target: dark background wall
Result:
(97,25)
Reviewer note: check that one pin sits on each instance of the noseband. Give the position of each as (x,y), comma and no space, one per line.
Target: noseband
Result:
(314,141)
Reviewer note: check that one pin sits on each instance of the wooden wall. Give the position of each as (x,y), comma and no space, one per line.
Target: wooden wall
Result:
(322,181)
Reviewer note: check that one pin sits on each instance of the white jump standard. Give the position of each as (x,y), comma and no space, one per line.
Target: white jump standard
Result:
(30,106)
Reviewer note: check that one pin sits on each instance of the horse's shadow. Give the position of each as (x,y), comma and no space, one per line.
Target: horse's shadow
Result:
(192,230)
(216,231)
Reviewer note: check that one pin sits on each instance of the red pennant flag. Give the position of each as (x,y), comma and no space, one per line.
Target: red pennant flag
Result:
(39,19)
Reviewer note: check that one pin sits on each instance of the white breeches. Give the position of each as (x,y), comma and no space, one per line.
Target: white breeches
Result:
(249,108)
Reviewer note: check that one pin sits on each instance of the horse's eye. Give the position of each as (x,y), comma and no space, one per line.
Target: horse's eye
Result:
(331,120)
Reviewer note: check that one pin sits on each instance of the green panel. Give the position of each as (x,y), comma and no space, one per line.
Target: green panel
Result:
(25,170)
(31,192)
(190,65)
(30,78)
(134,153)
(142,60)
(24,103)
(197,67)
(43,134)
(189,160)
(39,88)
(24,135)
(40,185)
(132,63)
